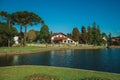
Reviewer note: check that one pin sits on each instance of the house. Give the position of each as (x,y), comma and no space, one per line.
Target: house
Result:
(115,41)
(61,38)
(105,41)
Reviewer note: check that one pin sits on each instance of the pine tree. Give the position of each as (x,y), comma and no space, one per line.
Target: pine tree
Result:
(76,34)
(84,35)
(96,34)
(90,36)
(44,33)
(94,31)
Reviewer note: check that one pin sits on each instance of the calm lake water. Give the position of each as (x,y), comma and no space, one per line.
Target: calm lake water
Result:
(107,60)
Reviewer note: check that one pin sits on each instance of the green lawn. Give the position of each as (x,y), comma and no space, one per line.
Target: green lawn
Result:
(18,49)
(20,72)
(22,50)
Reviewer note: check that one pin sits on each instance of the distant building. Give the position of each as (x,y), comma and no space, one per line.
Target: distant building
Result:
(105,41)
(61,38)
(115,41)
(104,38)
(16,39)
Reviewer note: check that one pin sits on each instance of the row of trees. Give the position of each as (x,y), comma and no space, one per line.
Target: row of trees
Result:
(42,36)
(91,35)
(22,18)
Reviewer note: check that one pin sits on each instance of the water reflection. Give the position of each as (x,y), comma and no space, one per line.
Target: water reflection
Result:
(6,60)
(61,58)
(100,60)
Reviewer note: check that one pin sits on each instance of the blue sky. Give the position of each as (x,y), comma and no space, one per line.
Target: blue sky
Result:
(64,15)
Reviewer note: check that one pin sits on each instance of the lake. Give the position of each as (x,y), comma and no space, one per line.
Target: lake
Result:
(107,60)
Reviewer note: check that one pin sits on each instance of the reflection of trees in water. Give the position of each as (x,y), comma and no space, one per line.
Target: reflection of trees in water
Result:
(6,60)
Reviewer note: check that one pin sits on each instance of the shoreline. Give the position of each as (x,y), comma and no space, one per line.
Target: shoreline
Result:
(37,49)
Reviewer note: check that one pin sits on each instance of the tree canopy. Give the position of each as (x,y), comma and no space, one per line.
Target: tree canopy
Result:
(31,35)
(6,33)
(44,33)
(84,35)
(76,34)
(25,18)
(22,18)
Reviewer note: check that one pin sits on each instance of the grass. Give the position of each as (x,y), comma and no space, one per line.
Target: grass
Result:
(18,49)
(35,49)
(22,50)
(21,72)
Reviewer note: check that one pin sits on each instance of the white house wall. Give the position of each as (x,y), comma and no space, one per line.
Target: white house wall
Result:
(67,40)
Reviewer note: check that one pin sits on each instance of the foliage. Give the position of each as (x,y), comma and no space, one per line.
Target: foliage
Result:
(94,31)
(109,39)
(38,36)
(76,34)
(6,18)
(90,36)
(44,33)
(6,33)
(3,16)
(25,18)
(84,35)
(96,35)
(31,35)
(69,35)
(104,35)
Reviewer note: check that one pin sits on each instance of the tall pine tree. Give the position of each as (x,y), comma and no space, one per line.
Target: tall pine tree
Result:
(76,34)
(90,36)
(84,35)
(44,33)
(96,34)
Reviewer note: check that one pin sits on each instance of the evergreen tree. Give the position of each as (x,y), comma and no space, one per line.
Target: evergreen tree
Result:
(76,34)
(69,35)
(7,18)
(90,36)
(109,39)
(84,35)
(44,33)
(96,34)
(25,18)
(6,34)
(94,31)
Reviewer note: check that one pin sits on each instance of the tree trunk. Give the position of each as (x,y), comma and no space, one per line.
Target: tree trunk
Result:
(9,34)
(20,28)
(25,35)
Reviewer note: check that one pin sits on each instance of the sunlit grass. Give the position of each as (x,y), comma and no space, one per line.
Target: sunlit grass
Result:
(20,72)
(18,50)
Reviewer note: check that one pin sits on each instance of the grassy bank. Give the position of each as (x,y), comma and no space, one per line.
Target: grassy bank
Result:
(20,72)
(36,49)
(23,50)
